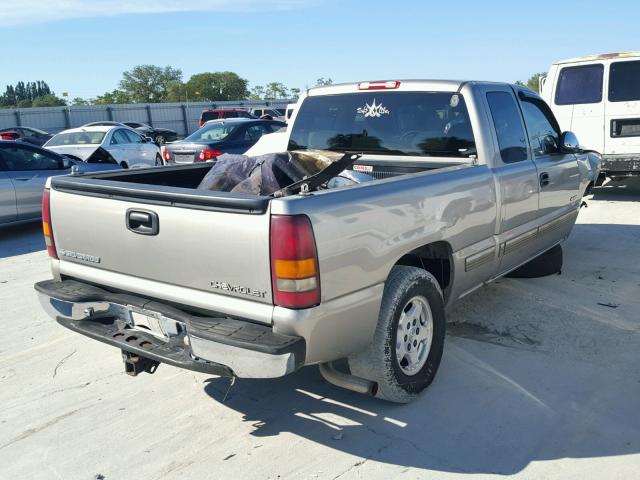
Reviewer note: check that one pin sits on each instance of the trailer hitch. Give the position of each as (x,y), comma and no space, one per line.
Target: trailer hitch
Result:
(135,364)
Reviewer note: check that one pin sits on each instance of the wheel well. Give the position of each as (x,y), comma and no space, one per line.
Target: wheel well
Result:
(436,258)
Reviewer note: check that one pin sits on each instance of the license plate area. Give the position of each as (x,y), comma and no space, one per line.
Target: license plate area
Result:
(154,323)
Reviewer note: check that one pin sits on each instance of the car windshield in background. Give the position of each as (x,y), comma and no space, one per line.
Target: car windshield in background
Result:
(211,133)
(386,123)
(624,81)
(76,138)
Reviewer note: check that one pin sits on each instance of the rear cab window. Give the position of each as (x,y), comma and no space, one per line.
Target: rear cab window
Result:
(579,85)
(206,116)
(423,124)
(508,126)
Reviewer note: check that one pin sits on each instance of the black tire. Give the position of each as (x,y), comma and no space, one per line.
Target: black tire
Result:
(159,140)
(549,263)
(124,165)
(158,160)
(379,362)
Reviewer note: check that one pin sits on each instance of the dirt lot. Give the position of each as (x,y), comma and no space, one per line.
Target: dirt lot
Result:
(540,379)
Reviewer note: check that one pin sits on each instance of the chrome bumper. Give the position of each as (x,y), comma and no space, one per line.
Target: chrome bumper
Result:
(217,345)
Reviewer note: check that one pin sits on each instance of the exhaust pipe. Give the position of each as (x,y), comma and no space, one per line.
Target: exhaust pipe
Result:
(344,380)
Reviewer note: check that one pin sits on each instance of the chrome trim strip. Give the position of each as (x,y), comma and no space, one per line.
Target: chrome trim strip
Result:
(519,241)
(478,259)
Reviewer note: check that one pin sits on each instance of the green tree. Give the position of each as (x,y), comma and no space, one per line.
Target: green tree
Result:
(276,90)
(217,86)
(176,92)
(257,93)
(149,83)
(48,101)
(294,92)
(80,101)
(113,97)
(534,82)
(323,82)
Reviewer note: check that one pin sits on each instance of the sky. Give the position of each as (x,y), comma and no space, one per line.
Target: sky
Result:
(83,46)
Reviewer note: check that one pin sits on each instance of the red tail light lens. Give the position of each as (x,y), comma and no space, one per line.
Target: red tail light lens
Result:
(295,276)
(201,123)
(208,154)
(386,85)
(46,224)
(167,155)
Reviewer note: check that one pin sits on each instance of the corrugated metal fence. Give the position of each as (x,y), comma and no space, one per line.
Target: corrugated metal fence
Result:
(181,117)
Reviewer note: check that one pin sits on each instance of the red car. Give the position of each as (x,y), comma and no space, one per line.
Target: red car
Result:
(221,113)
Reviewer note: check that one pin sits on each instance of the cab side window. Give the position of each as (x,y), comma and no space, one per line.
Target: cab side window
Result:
(543,136)
(508,124)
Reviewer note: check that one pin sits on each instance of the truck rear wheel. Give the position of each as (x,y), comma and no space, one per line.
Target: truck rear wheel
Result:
(405,353)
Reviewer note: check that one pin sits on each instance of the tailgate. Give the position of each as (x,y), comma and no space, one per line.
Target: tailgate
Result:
(196,249)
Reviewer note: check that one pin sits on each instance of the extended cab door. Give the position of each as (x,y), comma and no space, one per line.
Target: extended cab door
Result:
(517,178)
(622,126)
(558,173)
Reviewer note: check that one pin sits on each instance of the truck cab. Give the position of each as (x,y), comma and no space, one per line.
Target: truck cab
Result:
(598,98)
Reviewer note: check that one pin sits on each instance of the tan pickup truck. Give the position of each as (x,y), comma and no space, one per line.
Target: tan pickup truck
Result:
(467,181)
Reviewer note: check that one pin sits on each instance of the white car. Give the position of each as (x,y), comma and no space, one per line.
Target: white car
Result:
(121,145)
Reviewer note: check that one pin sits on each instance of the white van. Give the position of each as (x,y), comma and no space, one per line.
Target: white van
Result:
(598,98)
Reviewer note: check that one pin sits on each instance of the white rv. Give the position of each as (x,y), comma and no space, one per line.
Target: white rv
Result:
(598,98)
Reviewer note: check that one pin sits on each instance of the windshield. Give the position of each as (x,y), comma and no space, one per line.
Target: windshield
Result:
(211,133)
(76,138)
(387,123)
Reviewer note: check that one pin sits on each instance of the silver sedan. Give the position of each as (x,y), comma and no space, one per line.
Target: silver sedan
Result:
(122,145)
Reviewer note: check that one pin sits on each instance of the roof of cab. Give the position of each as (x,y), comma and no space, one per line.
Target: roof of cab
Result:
(403,85)
(601,56)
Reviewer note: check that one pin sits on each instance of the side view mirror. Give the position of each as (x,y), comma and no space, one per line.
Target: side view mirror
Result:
(67,163)
(569,142)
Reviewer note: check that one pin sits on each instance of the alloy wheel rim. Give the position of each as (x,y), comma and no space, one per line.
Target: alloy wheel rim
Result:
(414,335)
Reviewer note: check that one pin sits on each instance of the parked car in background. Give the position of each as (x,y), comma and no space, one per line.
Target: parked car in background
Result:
(121,145)
(159,135)
(222,113)
(235,135)
(274,113)
(24,169)
(9,135)
(105,123)
(28,134)
(598,97)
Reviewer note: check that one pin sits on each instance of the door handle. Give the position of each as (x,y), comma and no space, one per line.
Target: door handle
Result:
(143,222)
(544,179)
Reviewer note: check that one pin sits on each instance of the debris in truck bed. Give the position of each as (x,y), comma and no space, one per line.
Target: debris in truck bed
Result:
(266,174)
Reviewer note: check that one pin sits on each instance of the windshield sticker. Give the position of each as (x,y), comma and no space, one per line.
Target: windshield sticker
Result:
(373,110)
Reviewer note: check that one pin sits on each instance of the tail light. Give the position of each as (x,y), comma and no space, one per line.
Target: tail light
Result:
(208,154)
(201,123)
(46,224)
(167,155)
(295,276)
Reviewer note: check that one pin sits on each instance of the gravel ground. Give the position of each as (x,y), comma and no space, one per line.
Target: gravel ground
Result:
(539,379)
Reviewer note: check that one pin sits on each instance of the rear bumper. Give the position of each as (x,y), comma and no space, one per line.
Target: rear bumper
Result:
(620,165)
(220,346)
